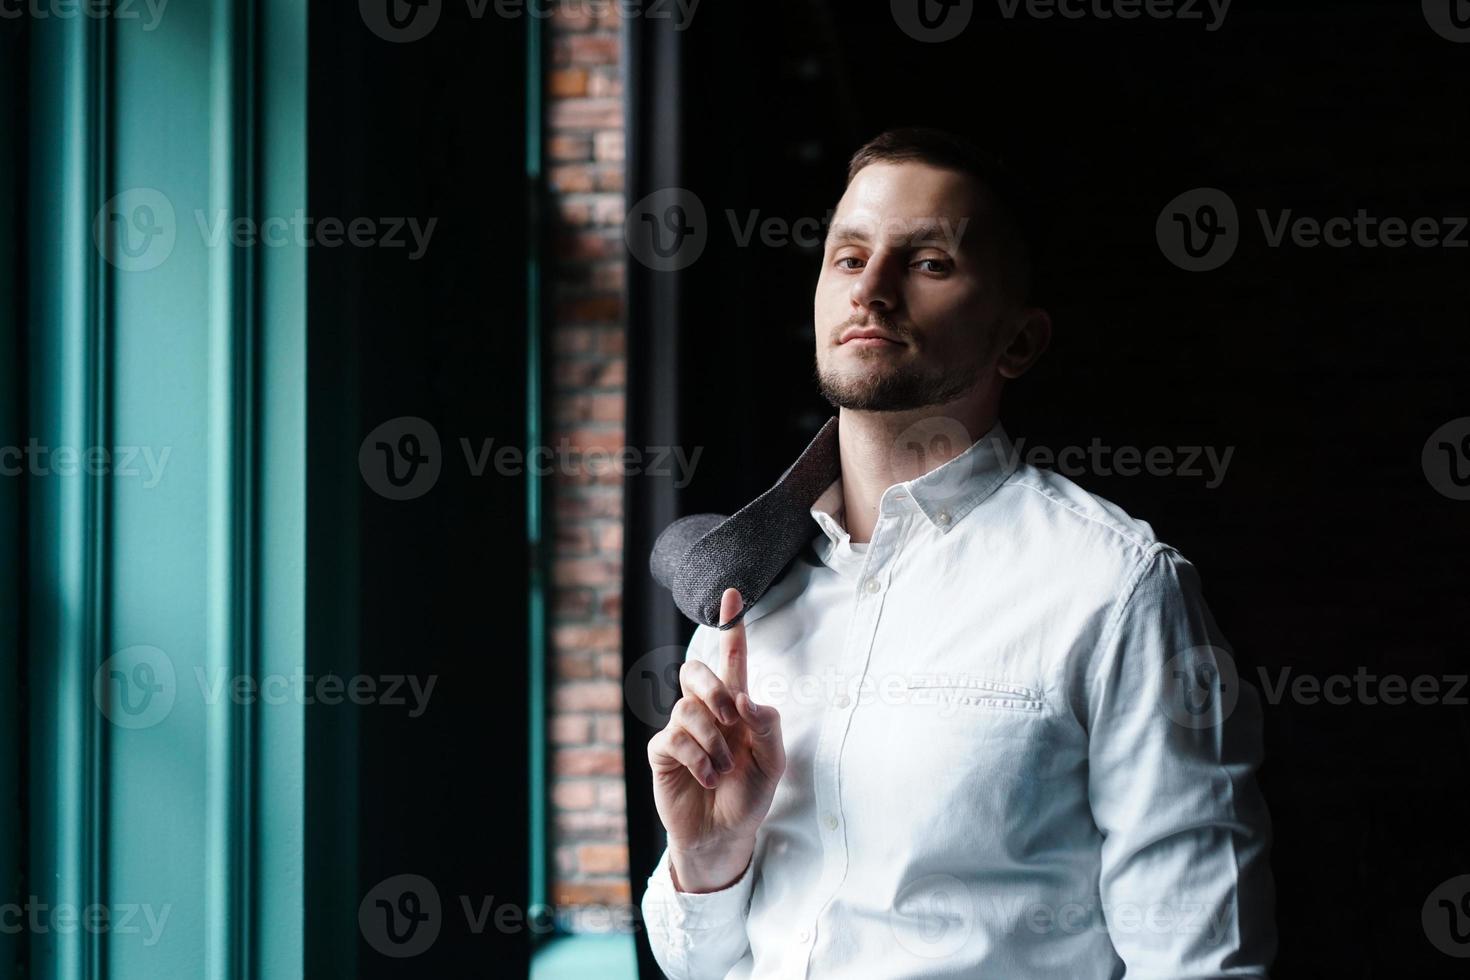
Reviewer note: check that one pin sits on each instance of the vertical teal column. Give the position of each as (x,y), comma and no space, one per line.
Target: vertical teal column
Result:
(11,475)
(66,508)
(277,906)
(167,576)
(174,541)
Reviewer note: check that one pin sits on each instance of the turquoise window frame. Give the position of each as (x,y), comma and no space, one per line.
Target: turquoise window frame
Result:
(207,565)
(206,811)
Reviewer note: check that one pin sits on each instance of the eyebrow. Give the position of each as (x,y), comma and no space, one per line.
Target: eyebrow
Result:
(928,234)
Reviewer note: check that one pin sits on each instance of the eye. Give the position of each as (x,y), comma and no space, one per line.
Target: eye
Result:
(938,266)
(848,258)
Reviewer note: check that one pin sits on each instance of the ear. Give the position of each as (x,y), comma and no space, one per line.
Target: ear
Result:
(1029,341)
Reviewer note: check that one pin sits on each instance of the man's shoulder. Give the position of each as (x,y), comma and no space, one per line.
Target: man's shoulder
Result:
(1069,517)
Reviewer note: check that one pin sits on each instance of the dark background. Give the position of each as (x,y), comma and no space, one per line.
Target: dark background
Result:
(1325,548)
(440,588)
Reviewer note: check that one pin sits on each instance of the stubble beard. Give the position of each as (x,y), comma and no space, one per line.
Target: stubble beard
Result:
(892,387)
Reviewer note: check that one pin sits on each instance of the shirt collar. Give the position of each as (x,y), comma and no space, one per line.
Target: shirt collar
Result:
(944,495)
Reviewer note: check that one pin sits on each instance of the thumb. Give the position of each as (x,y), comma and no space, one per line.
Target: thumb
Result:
(764,722)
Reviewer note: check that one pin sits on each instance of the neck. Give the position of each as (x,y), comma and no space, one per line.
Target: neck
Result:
(873,460)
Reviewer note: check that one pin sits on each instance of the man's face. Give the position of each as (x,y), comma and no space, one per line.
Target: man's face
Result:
(907,255)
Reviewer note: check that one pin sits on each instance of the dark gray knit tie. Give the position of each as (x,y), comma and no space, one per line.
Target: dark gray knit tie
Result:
(700,556)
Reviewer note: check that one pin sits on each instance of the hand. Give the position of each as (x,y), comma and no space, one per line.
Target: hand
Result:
(716,765)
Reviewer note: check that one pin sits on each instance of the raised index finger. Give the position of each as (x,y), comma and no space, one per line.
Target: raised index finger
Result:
(732,644)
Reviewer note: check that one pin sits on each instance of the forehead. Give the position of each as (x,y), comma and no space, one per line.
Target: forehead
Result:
(895,200)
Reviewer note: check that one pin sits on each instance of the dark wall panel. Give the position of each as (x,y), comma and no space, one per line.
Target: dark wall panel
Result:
(429,348)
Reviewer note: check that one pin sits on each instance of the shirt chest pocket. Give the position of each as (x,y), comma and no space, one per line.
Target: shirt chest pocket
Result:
(976,724)
(973,694)
(961,744)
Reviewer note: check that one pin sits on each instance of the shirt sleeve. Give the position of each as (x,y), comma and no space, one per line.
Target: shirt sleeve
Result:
(1174,745)
(696,935)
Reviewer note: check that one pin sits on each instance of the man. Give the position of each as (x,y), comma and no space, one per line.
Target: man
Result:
(989,729)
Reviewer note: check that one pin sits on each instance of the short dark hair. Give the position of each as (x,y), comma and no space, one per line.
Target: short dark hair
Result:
(1015,211)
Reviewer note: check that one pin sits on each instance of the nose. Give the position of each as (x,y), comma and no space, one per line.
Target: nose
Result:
(877,288)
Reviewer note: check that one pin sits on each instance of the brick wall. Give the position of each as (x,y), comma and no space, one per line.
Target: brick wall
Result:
(584,161)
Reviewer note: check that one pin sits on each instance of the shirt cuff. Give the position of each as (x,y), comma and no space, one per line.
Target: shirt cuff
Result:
(699,911)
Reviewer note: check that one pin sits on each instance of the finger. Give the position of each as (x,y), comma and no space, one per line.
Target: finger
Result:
(696,680)
(764,722)
(675,747)
(694,716)
(732,642)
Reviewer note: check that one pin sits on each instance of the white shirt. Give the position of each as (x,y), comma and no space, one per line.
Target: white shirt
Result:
(1015,748)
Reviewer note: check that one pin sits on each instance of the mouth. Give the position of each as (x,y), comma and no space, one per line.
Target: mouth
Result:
(868,337)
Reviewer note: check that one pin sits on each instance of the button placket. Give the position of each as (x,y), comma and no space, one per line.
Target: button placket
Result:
(892,529)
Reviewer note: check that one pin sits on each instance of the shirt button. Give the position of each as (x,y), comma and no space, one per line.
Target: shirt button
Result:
(843,700)
(942,518)
(871,585)
(830,821)
(803,936)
